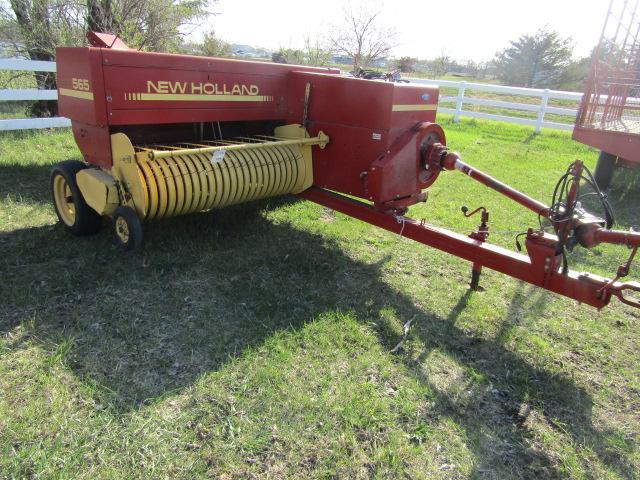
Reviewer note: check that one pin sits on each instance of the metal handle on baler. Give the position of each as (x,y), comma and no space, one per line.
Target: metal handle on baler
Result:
(320,140)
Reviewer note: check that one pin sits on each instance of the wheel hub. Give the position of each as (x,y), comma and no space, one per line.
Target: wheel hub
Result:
(122,229)
(64,200)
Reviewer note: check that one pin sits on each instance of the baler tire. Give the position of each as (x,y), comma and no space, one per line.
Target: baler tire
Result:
(79,218)
(127,229)
(604,170)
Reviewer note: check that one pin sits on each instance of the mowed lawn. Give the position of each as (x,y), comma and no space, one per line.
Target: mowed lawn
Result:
(254,342)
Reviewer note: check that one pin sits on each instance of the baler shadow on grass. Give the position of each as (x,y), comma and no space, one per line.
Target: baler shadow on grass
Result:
(137,328)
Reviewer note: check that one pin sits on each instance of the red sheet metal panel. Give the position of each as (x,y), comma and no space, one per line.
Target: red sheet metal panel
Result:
(355,113)
(169,95)
(412,104)
(359,117)
(150,88)
(623,145)
(102,87)
(94,143)
(80,85)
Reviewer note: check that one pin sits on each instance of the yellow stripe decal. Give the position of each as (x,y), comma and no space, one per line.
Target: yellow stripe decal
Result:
(412,108)
(185,97)
(75,93)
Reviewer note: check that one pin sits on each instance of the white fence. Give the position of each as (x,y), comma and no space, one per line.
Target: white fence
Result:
(539,109)
(29,94)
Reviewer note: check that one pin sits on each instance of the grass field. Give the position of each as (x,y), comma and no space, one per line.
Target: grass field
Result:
(254,342)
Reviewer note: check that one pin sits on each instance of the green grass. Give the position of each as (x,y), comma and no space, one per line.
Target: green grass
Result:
(13,79)
(254,342)
(511,112)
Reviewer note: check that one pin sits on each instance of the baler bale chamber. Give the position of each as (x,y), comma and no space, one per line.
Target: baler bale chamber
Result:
(165,135)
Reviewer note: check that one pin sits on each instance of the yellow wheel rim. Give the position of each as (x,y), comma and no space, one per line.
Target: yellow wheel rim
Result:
(122,230)
(63,196)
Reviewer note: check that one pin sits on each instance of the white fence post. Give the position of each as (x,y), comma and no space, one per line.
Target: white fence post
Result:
(459,100)
(543,109)
(538,110)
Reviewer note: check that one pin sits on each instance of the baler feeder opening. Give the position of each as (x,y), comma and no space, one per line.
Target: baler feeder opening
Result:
(191,182)
(184,178)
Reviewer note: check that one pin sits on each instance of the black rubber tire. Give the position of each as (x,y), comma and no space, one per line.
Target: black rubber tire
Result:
(87,221)
(604,170)
(127,229)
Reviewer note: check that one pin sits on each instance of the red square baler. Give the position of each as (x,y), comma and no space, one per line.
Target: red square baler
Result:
(165,135)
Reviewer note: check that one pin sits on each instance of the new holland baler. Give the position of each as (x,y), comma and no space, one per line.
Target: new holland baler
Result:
(165,135)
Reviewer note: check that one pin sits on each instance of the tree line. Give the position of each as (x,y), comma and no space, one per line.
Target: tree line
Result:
(543,59)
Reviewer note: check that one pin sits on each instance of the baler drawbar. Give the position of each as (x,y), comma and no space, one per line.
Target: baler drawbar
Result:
(165,135)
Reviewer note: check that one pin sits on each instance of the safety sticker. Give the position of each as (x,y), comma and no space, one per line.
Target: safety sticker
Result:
(218,156)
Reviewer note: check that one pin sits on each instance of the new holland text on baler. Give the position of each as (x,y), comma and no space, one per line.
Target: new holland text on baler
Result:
(166,135)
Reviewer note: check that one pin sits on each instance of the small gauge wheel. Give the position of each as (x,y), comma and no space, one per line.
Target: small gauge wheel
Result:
(127,228)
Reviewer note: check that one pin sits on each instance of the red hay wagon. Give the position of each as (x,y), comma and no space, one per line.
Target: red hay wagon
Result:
(609,116)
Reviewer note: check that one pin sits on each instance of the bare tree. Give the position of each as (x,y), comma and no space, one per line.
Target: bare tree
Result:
(362,36)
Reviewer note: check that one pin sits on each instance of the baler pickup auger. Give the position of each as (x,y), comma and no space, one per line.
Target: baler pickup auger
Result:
(165,135)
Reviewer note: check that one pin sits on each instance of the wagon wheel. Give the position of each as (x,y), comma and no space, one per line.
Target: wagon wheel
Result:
(604,170)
